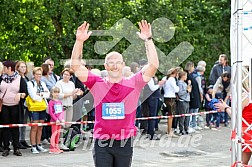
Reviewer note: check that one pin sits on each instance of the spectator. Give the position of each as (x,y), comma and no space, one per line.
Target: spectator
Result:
(1,68)
(223,89)
(203,78)
(175,119)
(201,70)
(195,100)
(13,88)
(246,115)
(153,95)
(134,68)
(53,78)
(104,73)
(78,103)
(37,90)
(219,68)
(183,103)
(1,136)
(67,94)
(208,98)
(57,116)
(30,67)
(47,79)
(22,70)
(202,63)
(127,71)
(170,90)
(222,86)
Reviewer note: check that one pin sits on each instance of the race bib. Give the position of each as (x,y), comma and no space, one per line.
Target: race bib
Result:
(113,111)
(58,108)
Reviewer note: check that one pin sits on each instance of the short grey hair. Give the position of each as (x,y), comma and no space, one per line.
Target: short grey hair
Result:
(200,69)
(202,63)
(111,54)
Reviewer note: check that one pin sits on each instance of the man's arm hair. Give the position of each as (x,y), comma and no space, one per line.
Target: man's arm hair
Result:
(80,70)
(150,69)
(82,35)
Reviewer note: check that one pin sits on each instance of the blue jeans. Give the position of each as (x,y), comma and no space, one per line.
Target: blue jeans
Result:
(193,120)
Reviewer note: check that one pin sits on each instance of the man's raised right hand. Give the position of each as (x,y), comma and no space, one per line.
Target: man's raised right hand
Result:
(82,33)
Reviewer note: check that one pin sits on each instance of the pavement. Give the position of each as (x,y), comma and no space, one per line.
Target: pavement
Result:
(203,148)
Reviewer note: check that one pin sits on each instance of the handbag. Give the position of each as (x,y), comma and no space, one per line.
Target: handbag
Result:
(1,100)
(33,105)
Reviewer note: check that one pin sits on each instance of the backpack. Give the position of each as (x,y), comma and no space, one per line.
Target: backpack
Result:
(195,74)
(72,137)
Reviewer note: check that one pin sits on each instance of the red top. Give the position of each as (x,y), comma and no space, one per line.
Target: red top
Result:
(247,115)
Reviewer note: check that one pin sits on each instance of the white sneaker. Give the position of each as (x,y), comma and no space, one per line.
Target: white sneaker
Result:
(198,128)
(34,150)
(45,141)
(41,149)
(63,147)
(191,130)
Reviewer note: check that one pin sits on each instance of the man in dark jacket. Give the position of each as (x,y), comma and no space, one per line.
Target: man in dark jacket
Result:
(219,68)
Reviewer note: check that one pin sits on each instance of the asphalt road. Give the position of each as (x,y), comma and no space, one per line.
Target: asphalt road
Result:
(204,148)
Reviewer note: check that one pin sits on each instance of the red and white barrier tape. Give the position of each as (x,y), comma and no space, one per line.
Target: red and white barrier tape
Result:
(240,164)
(181,115)
(85,122)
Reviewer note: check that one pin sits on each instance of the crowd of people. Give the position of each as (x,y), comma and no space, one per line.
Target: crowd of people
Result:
(21,79)
(113,97)
(185,91)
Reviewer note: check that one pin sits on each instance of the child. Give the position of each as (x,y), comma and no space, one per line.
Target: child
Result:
(57,115)
(183,102)
(208,97)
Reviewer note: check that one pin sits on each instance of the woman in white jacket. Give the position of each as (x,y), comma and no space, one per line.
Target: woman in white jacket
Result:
(67,94)
(170,90)
(37,90)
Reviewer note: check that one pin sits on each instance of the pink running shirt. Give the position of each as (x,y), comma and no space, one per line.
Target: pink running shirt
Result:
(126,91)
(55,115)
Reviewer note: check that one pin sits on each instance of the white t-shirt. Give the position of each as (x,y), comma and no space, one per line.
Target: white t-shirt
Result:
(65,87)
(170,88)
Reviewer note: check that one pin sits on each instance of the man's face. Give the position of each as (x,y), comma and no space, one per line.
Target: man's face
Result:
(222,61)
(114,65)
(51,65)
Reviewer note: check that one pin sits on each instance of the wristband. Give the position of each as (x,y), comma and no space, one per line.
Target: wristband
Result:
(147,39)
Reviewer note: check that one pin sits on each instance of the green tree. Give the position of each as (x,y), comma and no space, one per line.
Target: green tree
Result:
(31,30)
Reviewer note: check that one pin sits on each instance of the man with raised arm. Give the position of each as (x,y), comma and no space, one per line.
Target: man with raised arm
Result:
(115,98)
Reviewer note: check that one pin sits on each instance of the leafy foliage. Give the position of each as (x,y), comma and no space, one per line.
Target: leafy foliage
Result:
(31,30)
